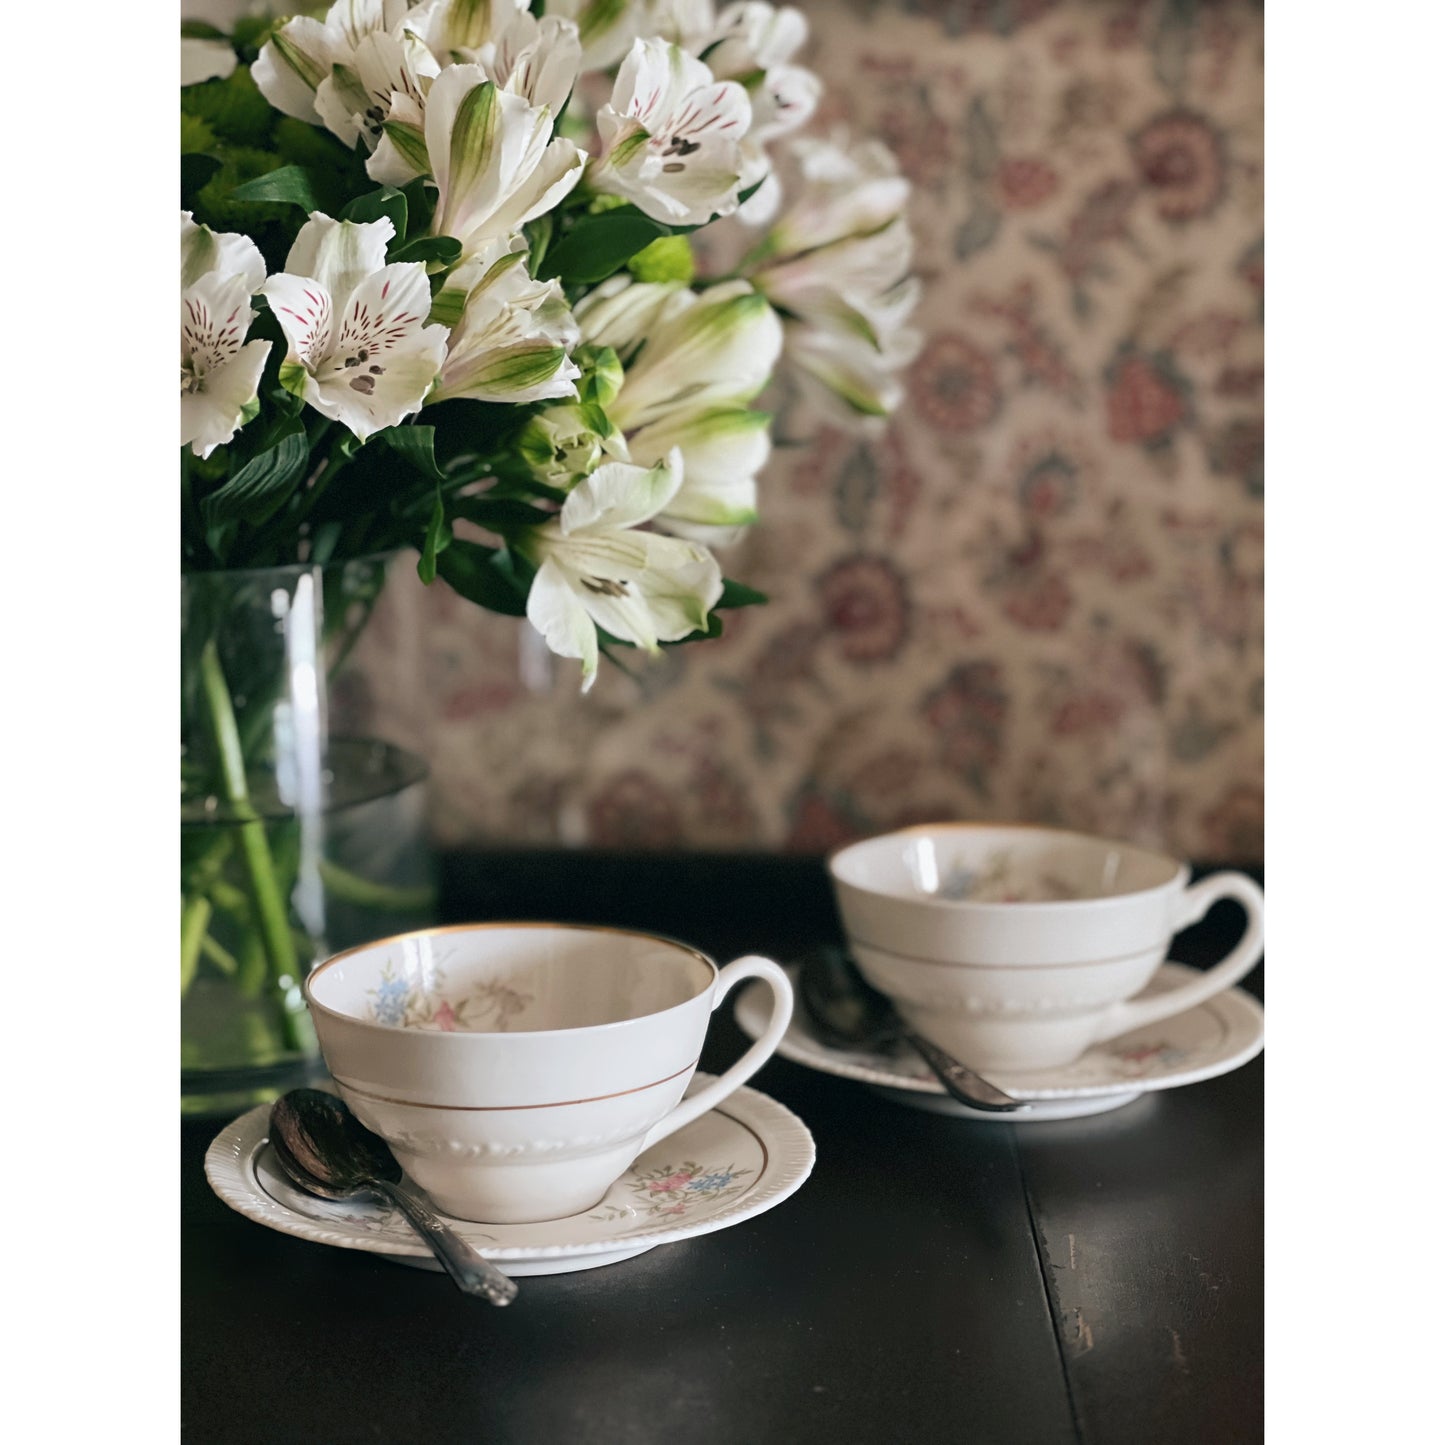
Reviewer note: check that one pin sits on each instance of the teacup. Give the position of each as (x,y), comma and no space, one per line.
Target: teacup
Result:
(1017,947)
(517,1069)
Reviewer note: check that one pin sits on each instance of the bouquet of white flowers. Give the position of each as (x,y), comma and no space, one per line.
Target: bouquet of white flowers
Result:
(436,270)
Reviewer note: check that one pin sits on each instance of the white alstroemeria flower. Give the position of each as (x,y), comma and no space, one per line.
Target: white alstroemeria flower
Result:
(220,369)
(860,283)
(681,348)
(454,30)
(510,334)
(493,158)
(205,60)
(536,59)
(302,54)
(846,191)
(752,43)
(671,136)
(692,361)
(596,569)
(836,266)
(607,28)
(857,381)
(355,100)
(358,346)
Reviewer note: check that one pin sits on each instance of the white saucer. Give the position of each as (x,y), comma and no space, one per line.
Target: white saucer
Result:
(744,1157)
(1212,1038)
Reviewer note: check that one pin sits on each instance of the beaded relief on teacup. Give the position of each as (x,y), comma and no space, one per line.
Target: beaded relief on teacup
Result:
(487,1008)
(1000,879)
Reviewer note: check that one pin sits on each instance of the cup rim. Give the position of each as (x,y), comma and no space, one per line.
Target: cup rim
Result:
(1177,878)
(491,924)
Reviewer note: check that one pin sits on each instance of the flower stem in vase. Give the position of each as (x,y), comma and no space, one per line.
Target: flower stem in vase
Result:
(266,898)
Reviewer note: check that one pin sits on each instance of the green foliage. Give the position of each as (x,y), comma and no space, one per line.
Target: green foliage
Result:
(196,134)
(234,109)
(487,576)
(600,245)
(668,258)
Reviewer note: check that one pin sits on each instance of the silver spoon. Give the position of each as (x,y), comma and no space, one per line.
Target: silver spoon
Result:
(324,1149)
(849,1012)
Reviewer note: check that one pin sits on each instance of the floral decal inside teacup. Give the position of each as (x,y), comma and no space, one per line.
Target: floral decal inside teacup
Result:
(1002,878)
(485,1008)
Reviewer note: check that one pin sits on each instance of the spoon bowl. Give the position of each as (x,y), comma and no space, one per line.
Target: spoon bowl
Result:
(325,1150)
(848,1012)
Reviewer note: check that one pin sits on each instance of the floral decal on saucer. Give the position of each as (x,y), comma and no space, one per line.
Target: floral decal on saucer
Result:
(999,879)
(488,1008)
(1140,1060)
(674,1189)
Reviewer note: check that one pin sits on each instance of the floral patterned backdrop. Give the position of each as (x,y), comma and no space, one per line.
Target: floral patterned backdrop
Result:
(1037,594)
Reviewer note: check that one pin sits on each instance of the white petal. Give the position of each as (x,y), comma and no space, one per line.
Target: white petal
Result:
(556,173)
(621,312)
(540,60)
(723,451)
(680,587)
(786,100)
(606,28)
(293,63)
(215,316)
(339,254)
(720,351)
(555,610)
(205,60)
(341,102)
(211,414)
(303,308)
(617,496)
(228,253)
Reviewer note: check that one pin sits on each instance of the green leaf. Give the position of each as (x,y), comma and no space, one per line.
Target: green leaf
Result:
(597,246)
(443,249)
(737,594)
(290,184)
(483,575)
(264,483)
(373,205)
(438,539)
(417,444)
(499,514)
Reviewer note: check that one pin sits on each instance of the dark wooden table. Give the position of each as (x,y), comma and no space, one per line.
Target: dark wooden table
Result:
(936,1280)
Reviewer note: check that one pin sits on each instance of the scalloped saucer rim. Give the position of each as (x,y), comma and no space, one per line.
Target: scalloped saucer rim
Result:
(747,1126)
(1217,1036)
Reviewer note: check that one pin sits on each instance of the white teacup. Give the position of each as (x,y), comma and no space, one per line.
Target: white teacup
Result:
(516,1069)
(1017,947)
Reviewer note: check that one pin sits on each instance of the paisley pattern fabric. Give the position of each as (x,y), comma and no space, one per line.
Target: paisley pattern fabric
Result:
(1038,594)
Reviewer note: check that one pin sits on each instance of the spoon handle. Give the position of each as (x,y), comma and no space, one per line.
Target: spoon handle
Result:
(469,1271)
(962,1083)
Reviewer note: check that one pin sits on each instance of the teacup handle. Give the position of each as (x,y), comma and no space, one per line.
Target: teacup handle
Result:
(1194,903)
(699,1103)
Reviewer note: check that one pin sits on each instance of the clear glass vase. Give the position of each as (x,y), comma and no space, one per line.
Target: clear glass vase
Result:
(300,834)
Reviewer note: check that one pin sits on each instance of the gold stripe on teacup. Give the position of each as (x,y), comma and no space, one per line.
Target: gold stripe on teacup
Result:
(503,1108)
(1003,967)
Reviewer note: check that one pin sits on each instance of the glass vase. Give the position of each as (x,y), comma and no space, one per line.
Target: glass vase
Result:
(302,831)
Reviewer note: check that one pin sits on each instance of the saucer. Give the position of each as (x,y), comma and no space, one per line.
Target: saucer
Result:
(741,1159)
(1212,1038)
